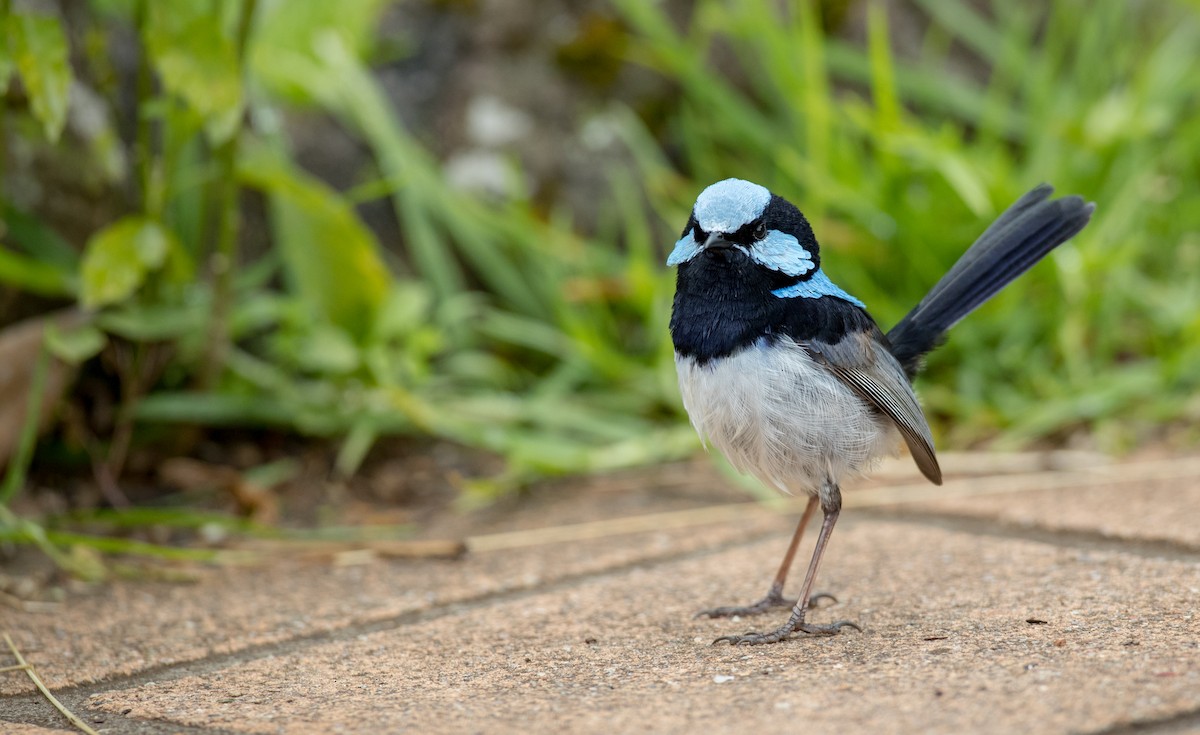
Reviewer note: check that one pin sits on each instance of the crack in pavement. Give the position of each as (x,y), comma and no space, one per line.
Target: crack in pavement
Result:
(1161,549)
(1184,722)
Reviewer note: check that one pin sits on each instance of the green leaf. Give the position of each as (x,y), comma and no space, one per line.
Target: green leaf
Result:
(328,350)
(215,409)
(359,440)
(331,259)
(6,59)
(196,60)
(75,345)
(283,45)
(118,258)
(149,323)
(407,308)
(33,276)
(37,239)
(122,10)
(40,49)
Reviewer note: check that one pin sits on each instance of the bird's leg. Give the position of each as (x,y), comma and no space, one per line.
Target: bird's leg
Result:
(831,506)
(774,596)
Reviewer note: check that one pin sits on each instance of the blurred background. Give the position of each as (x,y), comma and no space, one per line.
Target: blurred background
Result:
(247,241)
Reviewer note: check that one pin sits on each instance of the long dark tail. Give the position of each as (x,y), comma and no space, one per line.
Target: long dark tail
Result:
(1022,236)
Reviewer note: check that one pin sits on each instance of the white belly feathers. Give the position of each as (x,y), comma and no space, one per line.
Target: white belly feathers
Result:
(778,415)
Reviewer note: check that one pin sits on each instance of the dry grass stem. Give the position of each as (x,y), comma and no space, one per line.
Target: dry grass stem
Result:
(22,664)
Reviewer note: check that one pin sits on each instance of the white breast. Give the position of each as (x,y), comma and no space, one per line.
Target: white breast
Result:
(778,415)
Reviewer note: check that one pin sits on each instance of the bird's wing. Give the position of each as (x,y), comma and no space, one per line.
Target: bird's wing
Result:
(864,363)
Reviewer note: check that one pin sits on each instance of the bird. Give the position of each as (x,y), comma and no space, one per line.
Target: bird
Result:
(790,377)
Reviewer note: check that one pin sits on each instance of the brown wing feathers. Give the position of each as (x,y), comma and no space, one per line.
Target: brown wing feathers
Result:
(865,365)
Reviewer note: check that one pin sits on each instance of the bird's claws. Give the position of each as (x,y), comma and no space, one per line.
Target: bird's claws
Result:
(767,603)
(751,639)
(771,601)
(812,601)
(757,639)
(831,629)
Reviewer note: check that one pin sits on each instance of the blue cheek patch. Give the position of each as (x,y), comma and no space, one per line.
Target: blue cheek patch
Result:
(686,249)
(783,253)
(814,288)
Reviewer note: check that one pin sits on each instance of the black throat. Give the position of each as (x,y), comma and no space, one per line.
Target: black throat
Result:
(723,304)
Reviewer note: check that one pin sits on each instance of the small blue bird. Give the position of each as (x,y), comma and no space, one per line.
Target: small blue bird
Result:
(790,377)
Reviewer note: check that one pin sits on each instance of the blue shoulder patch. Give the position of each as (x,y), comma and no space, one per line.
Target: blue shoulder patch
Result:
(728,205)
(781,252)
(814,288)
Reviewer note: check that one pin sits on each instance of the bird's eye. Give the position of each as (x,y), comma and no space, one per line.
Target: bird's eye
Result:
(760,231)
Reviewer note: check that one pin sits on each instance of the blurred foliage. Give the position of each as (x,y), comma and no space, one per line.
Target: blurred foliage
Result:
(511,331)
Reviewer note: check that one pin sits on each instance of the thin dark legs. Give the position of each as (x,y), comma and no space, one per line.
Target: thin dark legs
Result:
(774,596)
(831,506)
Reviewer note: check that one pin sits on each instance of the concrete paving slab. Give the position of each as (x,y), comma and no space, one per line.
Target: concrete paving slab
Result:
(128,627)
(311,633)
(1153,511)
(962,634)
(15,728)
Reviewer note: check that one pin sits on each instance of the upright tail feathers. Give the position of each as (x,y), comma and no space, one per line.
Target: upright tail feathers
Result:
(1022,236)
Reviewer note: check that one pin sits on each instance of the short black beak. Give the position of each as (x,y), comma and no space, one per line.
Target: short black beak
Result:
(717,240)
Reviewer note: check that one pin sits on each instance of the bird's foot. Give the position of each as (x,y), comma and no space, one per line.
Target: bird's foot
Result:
(785,631)
(774,599)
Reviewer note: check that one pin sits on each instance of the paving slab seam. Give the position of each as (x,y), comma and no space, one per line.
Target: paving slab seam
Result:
(75,697)
(1184,722)
(119,724)
(1162,549)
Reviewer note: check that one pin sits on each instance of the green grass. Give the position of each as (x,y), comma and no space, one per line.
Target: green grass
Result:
(508,329)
